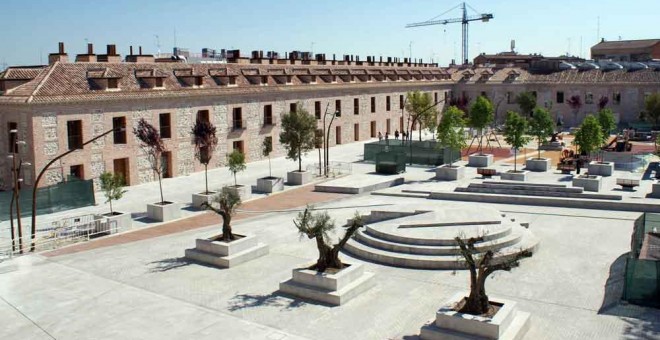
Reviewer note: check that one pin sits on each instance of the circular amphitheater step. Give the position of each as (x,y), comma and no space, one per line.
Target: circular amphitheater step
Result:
(426,240)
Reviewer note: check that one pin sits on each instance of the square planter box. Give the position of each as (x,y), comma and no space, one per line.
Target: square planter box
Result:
(223,254)
(447,173)
(589,183)
(480,161)
(163,212)
(243,191)
(655,191)
(520,175)
(507,323)
(601,168)
(270,184)
(198,199)
(123,221)
(298,177)
(331,288)
(537,164)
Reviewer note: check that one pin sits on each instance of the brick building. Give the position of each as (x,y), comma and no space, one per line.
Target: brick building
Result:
(627,50)
(57,107)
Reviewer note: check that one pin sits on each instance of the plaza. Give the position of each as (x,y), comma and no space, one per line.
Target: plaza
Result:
(138,285)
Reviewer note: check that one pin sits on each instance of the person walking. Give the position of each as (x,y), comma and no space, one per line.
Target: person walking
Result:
(578,165)
(380,136)
(396,134)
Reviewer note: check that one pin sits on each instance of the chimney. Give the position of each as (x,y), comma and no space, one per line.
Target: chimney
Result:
(139,58)
(60,56)
(111,56)
(90,57)
(140,50)
(130,49)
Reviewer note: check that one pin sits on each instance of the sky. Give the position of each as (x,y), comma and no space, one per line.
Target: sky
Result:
(30,29)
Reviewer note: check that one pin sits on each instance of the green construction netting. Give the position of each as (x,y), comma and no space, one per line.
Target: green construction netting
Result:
(421,152)
(390,162)
(59,197)
(642,280)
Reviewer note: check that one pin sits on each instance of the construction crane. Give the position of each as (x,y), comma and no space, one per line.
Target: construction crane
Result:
(485,17)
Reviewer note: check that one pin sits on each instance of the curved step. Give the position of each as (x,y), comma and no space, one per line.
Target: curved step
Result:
(506,230)
(374,242)
(417,261)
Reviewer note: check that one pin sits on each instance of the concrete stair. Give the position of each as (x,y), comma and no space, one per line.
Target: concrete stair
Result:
(332,297)
(521,189)
(227,261)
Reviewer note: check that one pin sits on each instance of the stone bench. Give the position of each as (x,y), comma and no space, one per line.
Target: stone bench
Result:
(627,184)
(486,172)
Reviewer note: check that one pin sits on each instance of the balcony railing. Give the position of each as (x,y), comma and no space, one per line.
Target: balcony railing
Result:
(238,124)
(269,121)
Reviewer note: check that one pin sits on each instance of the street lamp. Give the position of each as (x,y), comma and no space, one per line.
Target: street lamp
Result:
(16,172)
(326,143)
(36,182)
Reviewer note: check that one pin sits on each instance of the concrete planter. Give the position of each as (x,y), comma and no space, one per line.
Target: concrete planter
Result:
(507,323)
(223,254)
(537,164)
(335,289)
(163,212)
(243,191)
(298,177)
(655,191)
(589,183)
(520,175)
(601,168)
(480,161)
(123,221)
(198,199)
(270,184)
(447,173)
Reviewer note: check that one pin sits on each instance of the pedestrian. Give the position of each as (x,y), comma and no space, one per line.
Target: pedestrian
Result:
(405,135)
(578,165)
(387,135)
(396,134)
(380,136)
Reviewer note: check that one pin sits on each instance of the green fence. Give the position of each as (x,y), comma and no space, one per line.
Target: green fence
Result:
(424,152)
(642,281)
(59,197)
(390,162)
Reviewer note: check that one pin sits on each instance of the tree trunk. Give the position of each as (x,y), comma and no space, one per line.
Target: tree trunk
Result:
(206,177)
(160,185)
(539,149)
(477,301)
(270,172)
(11,222)
(235,181)
(110,201)
(226,226)
(515,159)
(328,257)
(299,161)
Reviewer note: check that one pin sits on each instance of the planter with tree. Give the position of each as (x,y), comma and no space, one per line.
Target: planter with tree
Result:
(476,315)
(329,280)
(236,164)
(451,135)
(205,141)
(422,110)
(227,249)
(541,126)
(515,128)
(112,186)
(607,125)
(480,116)
(154,149)
(270,183)
(297,137)
(588,138)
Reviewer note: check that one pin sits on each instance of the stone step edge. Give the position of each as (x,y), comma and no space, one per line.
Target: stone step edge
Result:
(431,242)
(516,330)
(523,187)
(333,297)
(497,191)
(261,249)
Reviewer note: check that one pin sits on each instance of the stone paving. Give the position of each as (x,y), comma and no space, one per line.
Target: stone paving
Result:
(143,288)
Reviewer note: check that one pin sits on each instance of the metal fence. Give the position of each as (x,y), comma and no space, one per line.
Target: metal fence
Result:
(61,233)
(642,278)
(59,197)
(419,152)
(335,169)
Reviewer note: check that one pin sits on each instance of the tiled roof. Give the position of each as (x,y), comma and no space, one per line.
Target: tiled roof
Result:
(624,44)
(22,73)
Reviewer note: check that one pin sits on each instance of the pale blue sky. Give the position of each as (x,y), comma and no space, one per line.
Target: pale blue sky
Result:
(30,29)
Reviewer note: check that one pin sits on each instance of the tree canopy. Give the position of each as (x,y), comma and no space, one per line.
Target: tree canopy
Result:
(153,146)
(112,186)
(541,126)
(450,131)
(227,200)
(298,134)
(589,136)
(205,141)
(515,127)
(480,116)
(421,110)
(606,122)
(527,102)
(236,163)
(651,111)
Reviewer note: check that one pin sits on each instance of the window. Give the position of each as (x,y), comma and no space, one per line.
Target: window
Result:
(338,106)
(203,115)
(112,83)
(13,147)
(616,98)
(264,80)
(387,103)
(232,80)
(337,135)
(289,79)
(159,82)
(401,100)
(237,118)
(435,96)
(356,132)
(165,125)
(560,97)
(74,134)
(293,107)
(76,172)
(483,94)
(199,81)
(356,106)
(317,109)
(373,104)
(238,145)
(119,127)
(589,98)
(510,98)
(387,126)
(373,129)
(268,114)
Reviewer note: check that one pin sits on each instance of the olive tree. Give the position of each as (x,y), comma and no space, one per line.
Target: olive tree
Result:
(298,134)
(451,132)
(227,200)
(480,116)
(541,126)
(515,127)
(154,148)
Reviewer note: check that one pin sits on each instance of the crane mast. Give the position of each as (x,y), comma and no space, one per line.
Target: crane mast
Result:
(464,20)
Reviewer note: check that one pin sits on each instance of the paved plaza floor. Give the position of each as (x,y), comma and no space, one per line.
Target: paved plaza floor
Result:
(139,286)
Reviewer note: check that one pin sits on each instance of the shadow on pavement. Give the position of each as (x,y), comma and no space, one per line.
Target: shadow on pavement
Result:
(275,299)
(169,264)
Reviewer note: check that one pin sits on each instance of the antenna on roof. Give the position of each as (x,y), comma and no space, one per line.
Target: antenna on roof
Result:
(157,43)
